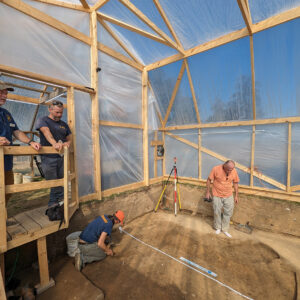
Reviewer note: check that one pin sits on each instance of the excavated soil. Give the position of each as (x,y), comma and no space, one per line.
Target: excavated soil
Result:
(249,264)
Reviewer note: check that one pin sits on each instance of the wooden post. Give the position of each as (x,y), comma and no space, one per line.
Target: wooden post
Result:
(145,125)
(2,269)
(66,185)
(2,288)
(95,104)
(155,155)
(288,177)
(164,157)
(252,155)
(45,280)
(3,213)
(73,156)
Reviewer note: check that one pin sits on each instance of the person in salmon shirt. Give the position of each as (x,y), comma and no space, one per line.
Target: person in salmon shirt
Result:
(220,180)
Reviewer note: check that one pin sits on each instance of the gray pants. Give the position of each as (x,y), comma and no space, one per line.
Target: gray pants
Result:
(90,253)
(222,222)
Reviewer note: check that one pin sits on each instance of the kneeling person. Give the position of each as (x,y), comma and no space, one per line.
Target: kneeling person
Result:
(92,239)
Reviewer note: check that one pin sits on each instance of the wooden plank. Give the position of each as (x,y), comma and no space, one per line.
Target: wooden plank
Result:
(43,261)
(131,28)
(295,188)
(84,4)
(147,21)
(192,90)
(47,79)
(167,22)
(95,104)
(245,13)
(26,150)
(277,20)
(31,186)
(119,124)
(99,4)
(11,96)
(27,223)
(3,213)
(289,154)
(64,4)
(88,197)
(46,19)
(118,40)
(26,88)
(156,180)
(66,185)
(253,77)
(164,157)
(115,54)
(252,155)
(174,93)
(16,230)
(145,125)
(233,123)
(156,142)
(38,215)
(123,188)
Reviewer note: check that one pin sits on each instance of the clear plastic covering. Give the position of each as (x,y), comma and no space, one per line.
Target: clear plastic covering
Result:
(36,47)
(121,156)
(120,91)
(295,158)
(277,72)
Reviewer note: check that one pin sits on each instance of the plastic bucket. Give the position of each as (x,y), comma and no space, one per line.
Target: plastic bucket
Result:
(27,178)
(18,178)
(72,243)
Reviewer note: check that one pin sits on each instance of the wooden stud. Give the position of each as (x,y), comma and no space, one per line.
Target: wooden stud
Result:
(3,243)
(99,4)
(155,153)
(118,40)
(95,104)
(115,54)
(252,155)
(164,157)
(156,142)
(46,79)
(64,4)
(2,281)
(123,188)
(147,21)
(132,28)
(46,19)
(288,175)
(245,13)
(145,125)
(66,185)
(253,77)
(119,124)
(84,4)
(192,90)
(174,93)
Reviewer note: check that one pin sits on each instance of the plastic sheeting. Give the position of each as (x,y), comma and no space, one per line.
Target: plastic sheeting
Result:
(277,72)
(121,156)
(36,47)
(295,158)
(151,154)
(120,91)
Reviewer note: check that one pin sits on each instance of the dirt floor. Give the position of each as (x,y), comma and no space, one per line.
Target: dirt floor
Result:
(262,265)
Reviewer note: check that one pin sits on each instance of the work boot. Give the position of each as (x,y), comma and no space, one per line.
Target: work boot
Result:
(78,262)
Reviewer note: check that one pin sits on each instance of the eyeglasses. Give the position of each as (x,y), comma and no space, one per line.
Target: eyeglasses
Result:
(57,103)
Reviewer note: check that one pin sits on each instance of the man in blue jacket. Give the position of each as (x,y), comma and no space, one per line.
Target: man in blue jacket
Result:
(92,244)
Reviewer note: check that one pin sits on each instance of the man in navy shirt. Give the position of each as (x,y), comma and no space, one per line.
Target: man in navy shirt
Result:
(92,239)
(8,129)
(56,133)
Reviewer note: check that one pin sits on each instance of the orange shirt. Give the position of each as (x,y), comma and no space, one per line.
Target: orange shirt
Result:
(222,184)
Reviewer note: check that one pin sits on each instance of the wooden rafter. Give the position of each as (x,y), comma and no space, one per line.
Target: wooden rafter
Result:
(118,40)
(132,28)
(246,15)
(192,90)
(64,4)
(147,21)
(99,4)
(115,54)
(26,88)
(174,93)
(84,4)
(42,17)
(167,22)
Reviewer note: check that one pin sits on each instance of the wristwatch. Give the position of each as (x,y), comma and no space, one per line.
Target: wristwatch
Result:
(29,142)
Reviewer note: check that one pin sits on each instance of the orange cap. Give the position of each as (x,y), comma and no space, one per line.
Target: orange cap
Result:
(120,215)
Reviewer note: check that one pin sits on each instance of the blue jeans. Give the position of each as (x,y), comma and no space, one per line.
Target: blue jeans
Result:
(53,168)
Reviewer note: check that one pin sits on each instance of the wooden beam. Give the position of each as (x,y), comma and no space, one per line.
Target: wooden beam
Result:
(234,123)
(147,21)
(223,158)
(253,77)
(174,93)
(295,188)
(46,19)
(167,22)
(245,13)
(27,150)
(23,98)
(84,4)
(44,78)
(155,143)
(26,88)
(119,124)
(145,125)
(64,4)
(252,155)
(99,4)
(192,90)
(132,28)
(115,54)
(121,189)
(3,213)
(277,20)
(2,285)
(95,104)
(89,197)
(118,40)
(66,185)
(289,154)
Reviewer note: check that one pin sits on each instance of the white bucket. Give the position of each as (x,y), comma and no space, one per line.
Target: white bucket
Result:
(18,178)
(27,178)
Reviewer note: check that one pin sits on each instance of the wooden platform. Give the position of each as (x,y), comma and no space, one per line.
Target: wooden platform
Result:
(31,225)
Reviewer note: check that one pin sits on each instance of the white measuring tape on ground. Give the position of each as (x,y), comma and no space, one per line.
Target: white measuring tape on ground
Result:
(197,266)
(181,262)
